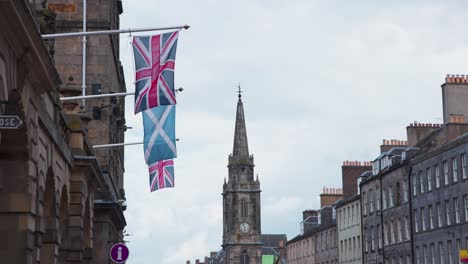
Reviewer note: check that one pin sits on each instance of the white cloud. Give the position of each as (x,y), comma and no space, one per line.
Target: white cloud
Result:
(324,81)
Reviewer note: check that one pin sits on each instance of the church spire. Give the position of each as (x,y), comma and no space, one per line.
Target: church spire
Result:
(241,147)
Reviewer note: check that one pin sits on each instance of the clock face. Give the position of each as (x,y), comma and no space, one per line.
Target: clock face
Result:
(244,227)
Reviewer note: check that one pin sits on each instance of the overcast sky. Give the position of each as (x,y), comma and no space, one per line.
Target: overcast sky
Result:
(324,82)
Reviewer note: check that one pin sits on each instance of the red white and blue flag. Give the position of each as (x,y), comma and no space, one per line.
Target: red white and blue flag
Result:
(154,66)
(161,175)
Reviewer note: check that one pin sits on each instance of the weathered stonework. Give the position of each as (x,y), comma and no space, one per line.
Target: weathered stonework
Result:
(49,175)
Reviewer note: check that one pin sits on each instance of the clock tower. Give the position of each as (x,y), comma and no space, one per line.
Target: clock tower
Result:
(242,241)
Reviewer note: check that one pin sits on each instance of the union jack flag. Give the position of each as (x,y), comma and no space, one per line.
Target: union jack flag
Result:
(154,66)
(161,175)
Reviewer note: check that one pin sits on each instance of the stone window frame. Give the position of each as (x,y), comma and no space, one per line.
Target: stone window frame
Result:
(431,217)
(465,202)
(456,205)
(390,197)
(405,191)
(455,170)
(440,222)
(421,181)
(416,220)
(449,251)
(432,252)
(446,173)
(448,219)
(415,184)
(399,230)
(464,166)
(437,175)
(441,250)
(429,179)
(423,219)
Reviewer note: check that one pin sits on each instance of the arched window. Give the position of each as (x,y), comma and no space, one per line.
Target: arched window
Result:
(243,208)
(3,87)
(3,83)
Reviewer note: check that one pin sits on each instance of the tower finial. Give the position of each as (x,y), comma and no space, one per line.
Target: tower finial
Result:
(239,91)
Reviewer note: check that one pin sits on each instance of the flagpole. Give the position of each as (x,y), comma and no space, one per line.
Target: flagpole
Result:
(117,145)
(94,96)
(110,32)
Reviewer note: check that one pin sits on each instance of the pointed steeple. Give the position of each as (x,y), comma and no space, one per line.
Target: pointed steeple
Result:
(241,147)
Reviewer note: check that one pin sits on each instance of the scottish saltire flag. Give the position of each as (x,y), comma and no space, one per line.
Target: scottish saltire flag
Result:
(161,174)
(154,67)
(159,128)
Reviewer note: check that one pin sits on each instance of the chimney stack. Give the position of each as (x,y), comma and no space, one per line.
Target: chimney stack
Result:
(454,98)
(389,144)
(350,172)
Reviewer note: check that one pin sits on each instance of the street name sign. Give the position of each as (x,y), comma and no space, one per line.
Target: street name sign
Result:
(10,122)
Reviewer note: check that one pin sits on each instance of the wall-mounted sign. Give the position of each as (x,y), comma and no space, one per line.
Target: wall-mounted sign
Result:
(10,122)
(119,253)
(62,8)
(464,256)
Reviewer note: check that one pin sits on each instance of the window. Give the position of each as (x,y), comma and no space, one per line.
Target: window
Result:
(446,173)
(447,212)
(366,249)
(384,199)
(433,256)
(429,179)
(372,238)
(459,247)
(417,256)
(398,193)
(424,252)
(354,248)
(371,198)
(407,231)
(352,214)
(400,230)
(457,210)
(441,253)
(455,170)
(416,227)
(449,251)
(464,169)
(415,185)
(431,217)
(386,239)
(423,220)
(379,231)
(377,193)
(437,176)
(405,191)
(392,232)
(364,206)
(390,197)
(465,199)
(243,208)
(439,215)
(349,216)
(421,181)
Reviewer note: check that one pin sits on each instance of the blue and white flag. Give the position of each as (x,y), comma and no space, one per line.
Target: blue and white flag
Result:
(159,142)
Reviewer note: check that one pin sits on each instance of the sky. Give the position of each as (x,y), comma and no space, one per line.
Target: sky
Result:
(323,81)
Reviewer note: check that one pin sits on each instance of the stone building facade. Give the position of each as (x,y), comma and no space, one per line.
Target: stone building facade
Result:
(326,246)
(439,196)
(348,221)
(51,182)
(102,119)
(301,249)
